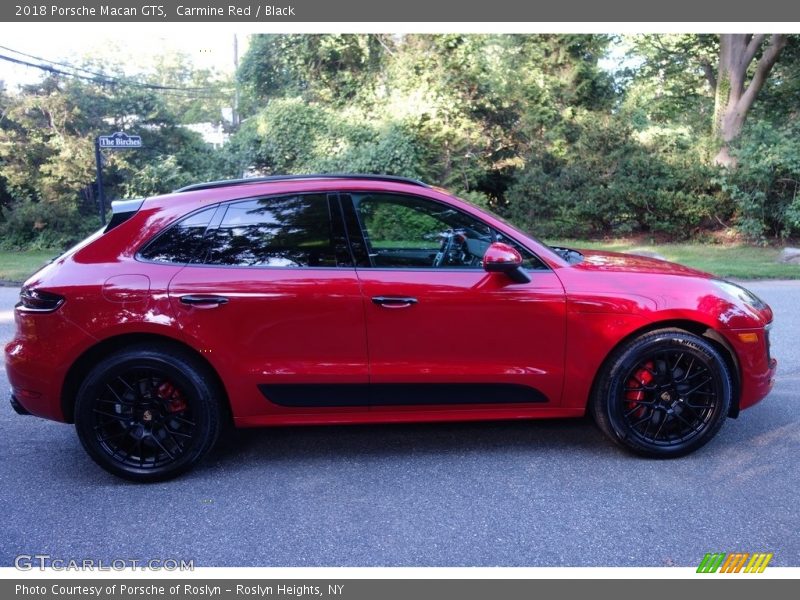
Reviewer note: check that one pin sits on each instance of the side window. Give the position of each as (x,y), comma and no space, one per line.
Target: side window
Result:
(411,232)
(286,231)
(181,242)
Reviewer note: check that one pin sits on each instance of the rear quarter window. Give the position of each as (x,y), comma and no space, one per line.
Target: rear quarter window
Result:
(182,242)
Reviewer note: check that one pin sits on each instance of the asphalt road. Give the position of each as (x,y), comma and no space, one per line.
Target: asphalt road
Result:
(548,493)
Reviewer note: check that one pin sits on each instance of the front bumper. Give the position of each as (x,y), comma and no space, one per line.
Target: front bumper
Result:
(757,368)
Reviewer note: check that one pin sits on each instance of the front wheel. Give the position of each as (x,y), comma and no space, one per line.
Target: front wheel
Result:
(664,394)
(148,413)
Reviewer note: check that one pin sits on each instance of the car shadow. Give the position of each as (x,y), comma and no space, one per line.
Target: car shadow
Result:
(401,439)
(383,445)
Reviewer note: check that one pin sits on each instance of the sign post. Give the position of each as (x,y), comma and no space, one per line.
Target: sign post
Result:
(115,141)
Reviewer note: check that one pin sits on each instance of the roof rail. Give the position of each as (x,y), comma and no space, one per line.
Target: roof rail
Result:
(226,182)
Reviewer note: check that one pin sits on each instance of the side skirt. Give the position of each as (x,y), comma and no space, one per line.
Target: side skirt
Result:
(426,415)
(400,394)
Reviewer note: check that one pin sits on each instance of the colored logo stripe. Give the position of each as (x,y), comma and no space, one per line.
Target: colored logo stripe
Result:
(758,563)
(711,563)
(733,563)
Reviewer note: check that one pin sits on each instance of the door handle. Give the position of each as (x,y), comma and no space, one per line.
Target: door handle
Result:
(394,301)
(203,300)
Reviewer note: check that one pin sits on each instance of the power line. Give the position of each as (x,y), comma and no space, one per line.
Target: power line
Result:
(48,68)
(98,77)
(108,78)
(55,71)
(52,62)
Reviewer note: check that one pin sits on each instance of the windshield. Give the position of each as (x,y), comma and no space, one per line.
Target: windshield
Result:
(568,254)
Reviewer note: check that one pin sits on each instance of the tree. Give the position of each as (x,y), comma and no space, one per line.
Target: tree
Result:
(47,169)
(674,78)
(333,69)
(734,96)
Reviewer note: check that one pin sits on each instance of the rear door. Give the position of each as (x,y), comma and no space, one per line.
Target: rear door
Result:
(273,300)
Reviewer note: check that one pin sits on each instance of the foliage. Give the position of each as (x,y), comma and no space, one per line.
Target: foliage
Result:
(325,68)
(765,187)
(47,166)
(611,182)
(536,127)
(296,137)
(674,78)
(394,223)
(40,225)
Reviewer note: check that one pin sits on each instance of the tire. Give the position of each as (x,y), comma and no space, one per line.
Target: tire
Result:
(149,412)
(663,394)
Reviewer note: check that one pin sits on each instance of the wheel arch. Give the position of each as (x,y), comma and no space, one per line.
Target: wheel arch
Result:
(80,368)
(700,329)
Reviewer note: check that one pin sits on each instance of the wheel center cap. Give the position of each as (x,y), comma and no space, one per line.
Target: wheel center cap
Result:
(666,396)
(147,416)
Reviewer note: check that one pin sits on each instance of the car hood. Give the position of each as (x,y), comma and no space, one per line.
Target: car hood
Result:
(596,260)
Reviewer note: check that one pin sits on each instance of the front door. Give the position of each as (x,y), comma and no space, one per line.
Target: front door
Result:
(442,333)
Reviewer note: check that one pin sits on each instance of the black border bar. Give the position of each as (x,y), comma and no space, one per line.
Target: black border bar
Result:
(361,11)
(709,585)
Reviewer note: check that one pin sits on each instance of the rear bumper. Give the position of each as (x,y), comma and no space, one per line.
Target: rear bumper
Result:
(18,408)
(37,360)
(35,384)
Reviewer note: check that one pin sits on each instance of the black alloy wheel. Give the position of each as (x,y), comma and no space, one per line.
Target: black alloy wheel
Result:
(664,394)
(148,414)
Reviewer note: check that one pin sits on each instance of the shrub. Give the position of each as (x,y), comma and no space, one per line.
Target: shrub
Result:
(608,181)
(45,225)
(764,186)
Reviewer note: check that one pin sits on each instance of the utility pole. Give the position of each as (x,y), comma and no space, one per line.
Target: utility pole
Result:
(235,110)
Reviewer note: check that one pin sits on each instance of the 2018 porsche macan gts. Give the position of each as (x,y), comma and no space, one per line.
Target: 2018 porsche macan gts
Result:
(362,299)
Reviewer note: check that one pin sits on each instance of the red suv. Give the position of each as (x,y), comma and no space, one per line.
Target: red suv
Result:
(362,299)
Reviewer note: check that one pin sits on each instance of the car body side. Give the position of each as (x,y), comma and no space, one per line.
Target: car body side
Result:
(115,299)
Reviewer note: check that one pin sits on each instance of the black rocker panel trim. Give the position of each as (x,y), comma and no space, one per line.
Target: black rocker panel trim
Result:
(310,395)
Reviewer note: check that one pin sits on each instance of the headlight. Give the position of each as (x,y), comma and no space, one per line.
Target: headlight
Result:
(742,294)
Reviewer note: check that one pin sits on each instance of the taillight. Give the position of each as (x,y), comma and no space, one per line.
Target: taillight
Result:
(31,300)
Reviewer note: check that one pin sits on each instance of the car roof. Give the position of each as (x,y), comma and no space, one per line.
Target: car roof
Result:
(277,178)
(195,196)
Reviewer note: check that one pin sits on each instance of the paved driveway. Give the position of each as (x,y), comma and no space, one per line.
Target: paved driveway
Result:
(520,493)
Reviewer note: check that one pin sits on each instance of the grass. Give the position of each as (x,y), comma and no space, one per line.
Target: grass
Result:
(18,266)
(736,261)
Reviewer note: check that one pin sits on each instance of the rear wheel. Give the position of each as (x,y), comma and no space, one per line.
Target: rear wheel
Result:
(664,394)
(148,413)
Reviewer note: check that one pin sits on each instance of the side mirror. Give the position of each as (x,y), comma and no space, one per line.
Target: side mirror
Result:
(502,258)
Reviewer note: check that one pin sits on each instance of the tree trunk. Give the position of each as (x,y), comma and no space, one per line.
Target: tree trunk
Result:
(734,95)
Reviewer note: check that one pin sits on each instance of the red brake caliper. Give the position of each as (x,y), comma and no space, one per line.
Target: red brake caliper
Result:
(168,392)
(640,379)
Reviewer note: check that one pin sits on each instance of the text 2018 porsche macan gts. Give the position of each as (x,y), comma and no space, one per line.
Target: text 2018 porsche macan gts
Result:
(363,299)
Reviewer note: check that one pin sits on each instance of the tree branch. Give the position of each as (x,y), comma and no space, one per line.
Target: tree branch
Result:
(379,37)
(752,48)
(764,66)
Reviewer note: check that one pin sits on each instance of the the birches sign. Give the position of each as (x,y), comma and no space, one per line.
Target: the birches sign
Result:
(116,141)
(120,140)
